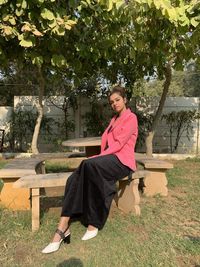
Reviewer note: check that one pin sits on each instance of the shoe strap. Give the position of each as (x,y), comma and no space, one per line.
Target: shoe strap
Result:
(61,234)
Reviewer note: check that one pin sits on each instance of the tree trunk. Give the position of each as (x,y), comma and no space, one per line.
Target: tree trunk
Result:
(150,136)
(34,144)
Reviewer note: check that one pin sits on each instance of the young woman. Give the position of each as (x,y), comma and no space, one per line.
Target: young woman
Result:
(90,189)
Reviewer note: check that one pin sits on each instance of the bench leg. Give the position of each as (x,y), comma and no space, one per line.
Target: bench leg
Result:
(128,198)
(155,183)
(35,209)
(41,168)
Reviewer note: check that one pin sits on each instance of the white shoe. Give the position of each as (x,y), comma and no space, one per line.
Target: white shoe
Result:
(54,246)
(90,234)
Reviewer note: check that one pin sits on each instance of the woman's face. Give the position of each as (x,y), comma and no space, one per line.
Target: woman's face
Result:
(118,103)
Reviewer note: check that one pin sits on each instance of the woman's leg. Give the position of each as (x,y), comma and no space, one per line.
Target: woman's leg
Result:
(90,189)
(95,189)
(63,226)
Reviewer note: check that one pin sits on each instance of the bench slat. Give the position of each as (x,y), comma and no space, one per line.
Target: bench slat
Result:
(22,163)
(19,167)
(56,179)
(155,163)
(15,173)
(140,174)
(42,180)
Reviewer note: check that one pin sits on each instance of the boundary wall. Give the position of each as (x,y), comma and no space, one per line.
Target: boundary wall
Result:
(145,105)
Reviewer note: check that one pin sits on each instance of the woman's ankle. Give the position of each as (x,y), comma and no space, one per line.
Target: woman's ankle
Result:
(57,237)
(91,227)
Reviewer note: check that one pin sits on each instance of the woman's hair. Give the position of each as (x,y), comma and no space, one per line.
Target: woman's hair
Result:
(119,90)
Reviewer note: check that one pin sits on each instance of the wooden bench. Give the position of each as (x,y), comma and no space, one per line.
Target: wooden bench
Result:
(155,181)
(10,173)
(127,198)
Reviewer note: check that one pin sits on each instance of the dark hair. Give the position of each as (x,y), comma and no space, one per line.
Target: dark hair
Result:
(119,90)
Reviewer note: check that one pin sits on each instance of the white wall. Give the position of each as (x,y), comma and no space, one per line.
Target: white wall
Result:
(161,140)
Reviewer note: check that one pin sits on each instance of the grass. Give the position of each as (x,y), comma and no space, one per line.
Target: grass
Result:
(2,163)
(166,234)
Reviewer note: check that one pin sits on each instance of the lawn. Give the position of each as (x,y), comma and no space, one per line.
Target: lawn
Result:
(166,234)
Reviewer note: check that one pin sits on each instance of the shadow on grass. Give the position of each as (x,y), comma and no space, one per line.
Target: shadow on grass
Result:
(71,262)
(194,239)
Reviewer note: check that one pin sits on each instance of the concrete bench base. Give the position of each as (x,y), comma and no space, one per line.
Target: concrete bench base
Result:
(14,199)
(155,181)
(9,196)
(128,198)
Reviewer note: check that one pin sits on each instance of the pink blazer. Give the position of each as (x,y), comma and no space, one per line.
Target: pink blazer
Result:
(121,138)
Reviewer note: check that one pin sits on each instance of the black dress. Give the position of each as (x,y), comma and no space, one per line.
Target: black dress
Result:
(91,187)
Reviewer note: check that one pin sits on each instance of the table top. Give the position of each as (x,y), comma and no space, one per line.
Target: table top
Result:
(91,142)
(83,141)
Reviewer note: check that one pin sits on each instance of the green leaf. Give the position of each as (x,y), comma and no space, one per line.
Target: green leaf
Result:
(3,2)
(84,4)
(72,22)
(19,12)
(52,24)
(59,31)
(26,43)
(37,60)
(109,4)
(19,3)
(24,4)
(8,30)
(47,14)
(58,60)
(194,22)
(12,20)
(149,2)
(172,14)
(5,17)
(119,4)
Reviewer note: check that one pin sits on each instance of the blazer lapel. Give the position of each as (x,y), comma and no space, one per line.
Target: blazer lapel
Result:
(120,119)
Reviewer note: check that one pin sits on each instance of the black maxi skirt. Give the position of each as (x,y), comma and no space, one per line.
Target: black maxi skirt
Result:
(90,189)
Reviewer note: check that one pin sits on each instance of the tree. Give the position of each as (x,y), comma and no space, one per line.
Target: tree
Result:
(122,41)
(38,32)
(175,41)
(29,33)
(161,35)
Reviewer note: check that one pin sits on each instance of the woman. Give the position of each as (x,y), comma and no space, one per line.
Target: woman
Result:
(90,189)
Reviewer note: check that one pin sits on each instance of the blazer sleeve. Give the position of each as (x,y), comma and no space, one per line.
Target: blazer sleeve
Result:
(128,128)
(104,136)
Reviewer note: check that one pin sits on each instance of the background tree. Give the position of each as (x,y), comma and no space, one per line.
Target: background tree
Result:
(122,42)
(162,35)
(38,33)
(29,32)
